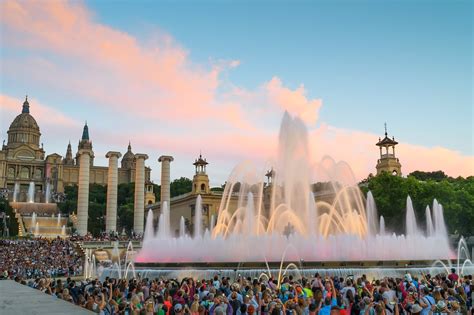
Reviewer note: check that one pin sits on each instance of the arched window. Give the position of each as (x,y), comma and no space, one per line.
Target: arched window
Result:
(150,202)
(203,187)
(25,172)
(394,172)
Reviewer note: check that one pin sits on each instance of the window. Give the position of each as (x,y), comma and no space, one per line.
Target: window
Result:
(203,187)
(25,172)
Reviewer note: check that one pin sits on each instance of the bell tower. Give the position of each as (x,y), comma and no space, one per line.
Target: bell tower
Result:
(388,162)
(200,179)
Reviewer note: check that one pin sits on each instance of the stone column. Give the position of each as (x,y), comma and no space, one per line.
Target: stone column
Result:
(165,178)
(139,210)
(83,191)
(112,180)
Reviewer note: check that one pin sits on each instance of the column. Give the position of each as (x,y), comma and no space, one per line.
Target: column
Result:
(139,210)
(165,178)
(112,180)
(83,191)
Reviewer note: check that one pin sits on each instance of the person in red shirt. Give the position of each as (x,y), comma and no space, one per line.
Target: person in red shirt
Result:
(453,277)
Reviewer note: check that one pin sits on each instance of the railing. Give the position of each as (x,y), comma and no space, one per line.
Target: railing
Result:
(108,243)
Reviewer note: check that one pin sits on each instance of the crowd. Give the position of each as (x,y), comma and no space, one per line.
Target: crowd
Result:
(106,236)
(426,295)
(39,258)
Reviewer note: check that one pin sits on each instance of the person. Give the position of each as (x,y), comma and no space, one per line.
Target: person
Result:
(234,302)
(329,301)
(426,301)
(195,305)
(453,277)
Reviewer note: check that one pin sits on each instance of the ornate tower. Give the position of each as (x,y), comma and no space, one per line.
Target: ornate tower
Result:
(149,194)
(200,179)
(68,160)
(388,162)
(85,144)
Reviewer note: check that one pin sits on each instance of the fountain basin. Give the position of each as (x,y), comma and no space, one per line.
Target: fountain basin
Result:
(30,207)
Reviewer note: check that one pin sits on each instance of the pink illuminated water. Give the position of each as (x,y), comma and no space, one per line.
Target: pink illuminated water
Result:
(283,219)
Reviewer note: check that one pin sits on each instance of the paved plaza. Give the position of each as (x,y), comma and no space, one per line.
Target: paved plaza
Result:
(14,295)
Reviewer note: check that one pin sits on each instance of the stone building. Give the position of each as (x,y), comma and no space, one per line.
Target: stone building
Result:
(23,160)
(185,205)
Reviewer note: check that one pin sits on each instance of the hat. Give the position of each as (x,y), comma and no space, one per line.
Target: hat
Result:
(178,307)
(440,305)
(416,309)
(250,309)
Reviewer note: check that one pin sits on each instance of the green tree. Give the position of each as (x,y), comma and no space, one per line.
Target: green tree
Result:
(181,186)
(456,196)
(424,176)
(12,223)
(70,203)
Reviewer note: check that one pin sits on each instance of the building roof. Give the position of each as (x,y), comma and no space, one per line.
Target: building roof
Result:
(386,141)
(24,120)
(128,155)
(200,161)
(85,132)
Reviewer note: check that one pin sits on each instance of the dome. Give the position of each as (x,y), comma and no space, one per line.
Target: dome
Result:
(128,158)
(24,128)
(24,121)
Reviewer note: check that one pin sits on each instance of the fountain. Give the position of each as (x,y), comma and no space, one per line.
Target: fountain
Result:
(198,218)
(63,230)
(259,229)
(182,227)
(47,194)
(16,191)
(31,192)
(37,229)
(59,219)
(33,218)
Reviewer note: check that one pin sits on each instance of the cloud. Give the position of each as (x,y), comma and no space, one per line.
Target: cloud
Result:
(11,107)
(164,102)
(293,101)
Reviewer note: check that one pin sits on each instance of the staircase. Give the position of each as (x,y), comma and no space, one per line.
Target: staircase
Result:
(21,225)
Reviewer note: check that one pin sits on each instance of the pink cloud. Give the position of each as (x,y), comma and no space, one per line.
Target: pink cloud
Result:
(11,107)
(116,70)
(148,84)
(293,101)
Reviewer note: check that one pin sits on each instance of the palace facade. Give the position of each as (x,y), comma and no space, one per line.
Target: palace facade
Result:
(24,161)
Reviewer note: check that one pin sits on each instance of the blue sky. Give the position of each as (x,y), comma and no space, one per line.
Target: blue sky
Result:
(164,74)
(405,62)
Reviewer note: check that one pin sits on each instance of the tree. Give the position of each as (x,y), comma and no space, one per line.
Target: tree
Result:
(181,186)
(424,176)
(70,203)
(12,223)
(455,194)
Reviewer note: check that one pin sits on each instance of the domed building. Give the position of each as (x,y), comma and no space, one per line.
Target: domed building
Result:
(23,161)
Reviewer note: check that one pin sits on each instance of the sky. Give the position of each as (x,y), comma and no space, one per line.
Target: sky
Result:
(183,77)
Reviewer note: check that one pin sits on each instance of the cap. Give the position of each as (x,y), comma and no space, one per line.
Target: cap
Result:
(178,307)
(416,308)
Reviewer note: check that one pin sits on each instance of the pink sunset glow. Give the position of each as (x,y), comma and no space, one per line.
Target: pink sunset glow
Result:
(170,103)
